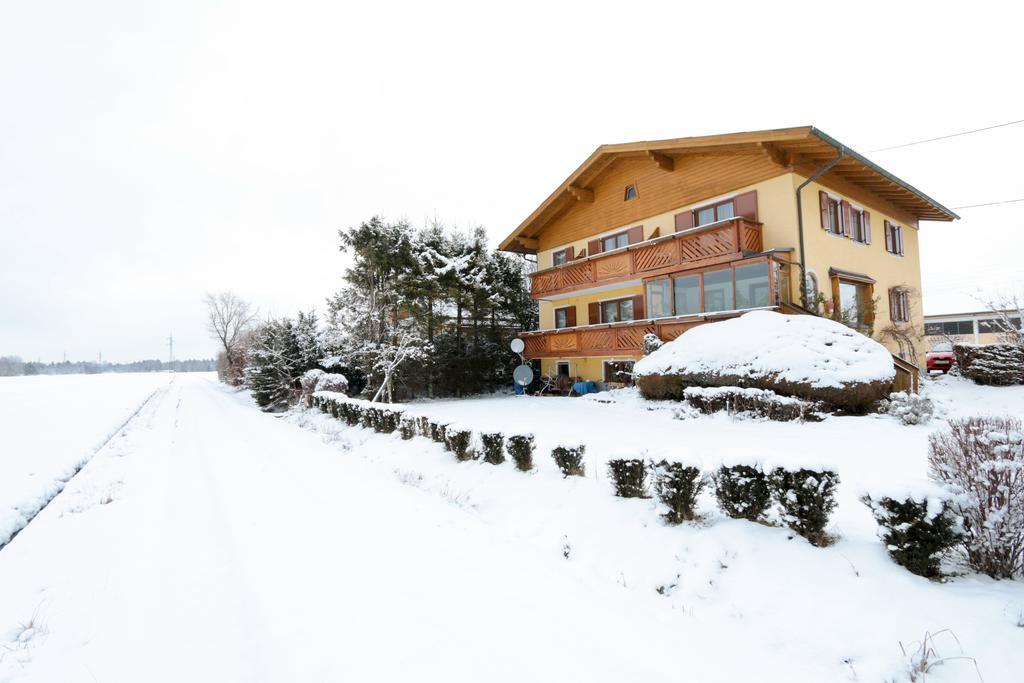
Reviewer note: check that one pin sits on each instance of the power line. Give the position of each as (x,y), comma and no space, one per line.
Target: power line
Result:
(975,206)
(945,137)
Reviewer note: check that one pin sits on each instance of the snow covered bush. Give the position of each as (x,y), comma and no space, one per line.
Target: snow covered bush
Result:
(407,427)
(742,491)
(569,459)
(807,498)
(437,431)
(520,447)
(916,530)
(458,440)
(677,486)
(423,426)
(309,381)
(993,364)
(352,413)
(330,381)
(757,402)
(493,446)
(652,343)
(982,460)
(910,409)
(793,355)
(387,420)
(629,476)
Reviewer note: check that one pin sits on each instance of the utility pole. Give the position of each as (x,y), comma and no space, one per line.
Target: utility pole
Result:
(170,346)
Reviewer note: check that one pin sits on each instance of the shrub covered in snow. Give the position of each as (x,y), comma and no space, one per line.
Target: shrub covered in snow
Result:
(982,460)
(794,355)
(423,426)
(757,402)
(407,427)
(493,446)
(807,498)
(677,486)
(330,381)
(308,381)
(994,364)
(742,491)
(387,420)
(437,432)
(458,440)
(910,409)
(652,343)
(569,459)
(916,530)
(629,477)
(520,447)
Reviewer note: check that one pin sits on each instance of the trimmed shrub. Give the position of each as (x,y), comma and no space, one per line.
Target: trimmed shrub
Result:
(493,446)
(629,476)
(677,486)
(742,491)
(520,448)
(369,417)
(353,413)
(387,420)
(652,343)
(915,533)
(437,432)
(759,402)
(407,427)
(993,364)
(458,441)
(910,409)
(807,498)
(308,383)
(982,460)
(570,460)
(423,426)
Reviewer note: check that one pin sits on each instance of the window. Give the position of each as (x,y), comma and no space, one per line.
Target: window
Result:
(899,305)
(950,328)
(616,311)
(616,241)
(860,227)
(565,317)
(894,238)
(718,290)
(659,298)
(687,294)
(560,257)
(714,213)
(812,291)
(831,213)
(853,300)
(630,193)
(618,372)
(997,324)
(752,285)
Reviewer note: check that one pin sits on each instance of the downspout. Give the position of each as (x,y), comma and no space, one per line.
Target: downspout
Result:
(800,220)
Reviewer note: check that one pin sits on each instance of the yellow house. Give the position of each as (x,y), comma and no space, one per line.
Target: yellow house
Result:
(656,237)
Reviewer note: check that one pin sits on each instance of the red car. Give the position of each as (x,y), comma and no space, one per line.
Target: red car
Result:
(940,358)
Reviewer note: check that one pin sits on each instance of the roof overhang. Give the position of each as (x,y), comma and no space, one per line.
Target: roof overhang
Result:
(804,150)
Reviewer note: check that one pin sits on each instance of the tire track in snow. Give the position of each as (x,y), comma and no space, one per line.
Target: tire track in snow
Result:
(62,483)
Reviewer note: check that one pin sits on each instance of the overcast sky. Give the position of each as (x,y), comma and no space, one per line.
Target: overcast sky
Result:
(151,152)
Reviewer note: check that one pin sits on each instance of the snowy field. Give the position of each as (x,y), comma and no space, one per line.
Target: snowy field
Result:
(50,424)
(211,542)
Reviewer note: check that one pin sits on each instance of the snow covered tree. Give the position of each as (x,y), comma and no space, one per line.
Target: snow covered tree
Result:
(229,319)
(274,365)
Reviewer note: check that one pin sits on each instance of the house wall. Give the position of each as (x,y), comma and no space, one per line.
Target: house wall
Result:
(582,303)
(825,250)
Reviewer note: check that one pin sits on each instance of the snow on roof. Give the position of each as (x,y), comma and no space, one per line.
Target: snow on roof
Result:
(796,348)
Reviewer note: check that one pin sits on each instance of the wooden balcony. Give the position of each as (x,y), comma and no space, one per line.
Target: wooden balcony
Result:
(702,246)
(617,339)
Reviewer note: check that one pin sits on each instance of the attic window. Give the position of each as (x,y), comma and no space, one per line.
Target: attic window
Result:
(630,193)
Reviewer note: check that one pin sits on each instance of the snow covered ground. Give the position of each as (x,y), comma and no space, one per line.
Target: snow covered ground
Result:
(211,542)
(50,424)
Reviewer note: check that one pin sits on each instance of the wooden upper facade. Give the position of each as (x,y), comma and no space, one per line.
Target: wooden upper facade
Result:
(655,237)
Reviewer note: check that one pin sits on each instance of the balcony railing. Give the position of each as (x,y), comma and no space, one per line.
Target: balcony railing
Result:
(705,245)
(617,339)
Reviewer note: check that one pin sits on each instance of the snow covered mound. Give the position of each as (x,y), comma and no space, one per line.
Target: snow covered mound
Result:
(793,355)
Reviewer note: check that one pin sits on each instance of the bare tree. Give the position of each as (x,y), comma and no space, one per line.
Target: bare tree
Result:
(229,319)
(1008,318)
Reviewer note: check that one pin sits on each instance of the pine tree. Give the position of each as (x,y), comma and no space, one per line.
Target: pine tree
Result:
(274,365)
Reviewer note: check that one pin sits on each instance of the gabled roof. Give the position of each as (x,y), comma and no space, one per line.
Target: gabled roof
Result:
(803,149)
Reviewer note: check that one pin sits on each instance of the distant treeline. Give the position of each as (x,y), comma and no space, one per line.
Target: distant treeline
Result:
(11,366)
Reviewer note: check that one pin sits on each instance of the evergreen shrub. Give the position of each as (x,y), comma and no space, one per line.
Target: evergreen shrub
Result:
(629,477)
(807,498)
(493,446)
(458,441)
(677,486)
(916,533)
(520,448)
(570,459)
(407,427)
(742,491)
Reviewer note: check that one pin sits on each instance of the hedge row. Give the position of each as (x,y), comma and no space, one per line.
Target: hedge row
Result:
(914,534)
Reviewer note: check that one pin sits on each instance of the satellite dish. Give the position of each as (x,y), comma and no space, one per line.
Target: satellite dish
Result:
(517,346)
(522,375)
